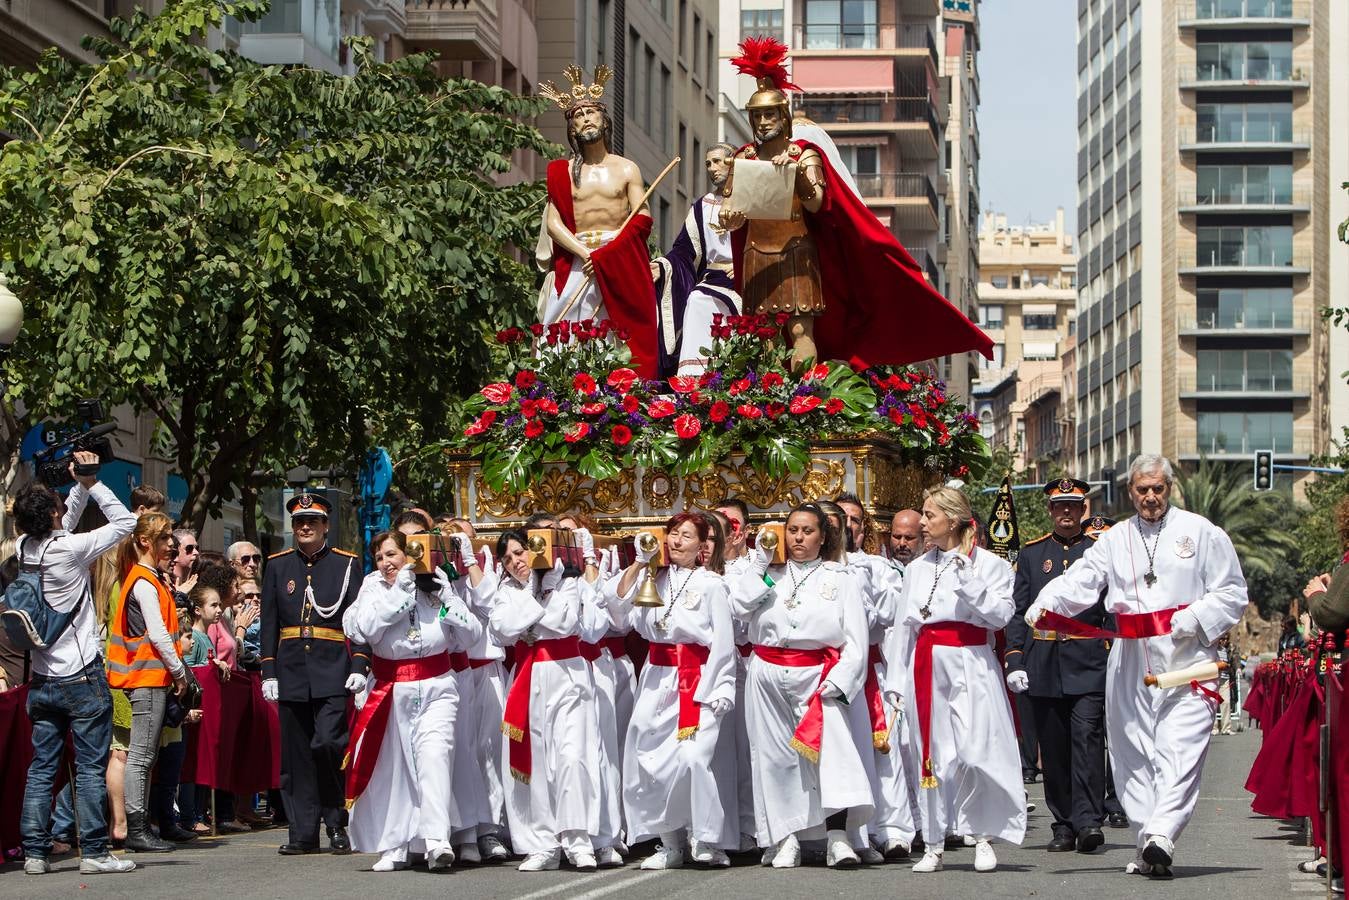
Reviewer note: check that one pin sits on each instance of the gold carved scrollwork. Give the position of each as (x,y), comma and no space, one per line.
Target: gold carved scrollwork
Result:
(824,479)
(659,489)
(615,496)
(707,490)
(896,485)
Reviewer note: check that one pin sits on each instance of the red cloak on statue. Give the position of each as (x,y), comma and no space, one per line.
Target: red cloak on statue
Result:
(878,306)
(622,274)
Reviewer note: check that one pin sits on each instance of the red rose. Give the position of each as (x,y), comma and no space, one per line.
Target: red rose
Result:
(621,379)
(804,404)
(682,384)
(481,424)
(687,426)
(577,432)
(533,428)
(771,380)
(525,379)
(592,409)
(774,409)
(659,409)
(749,411)
(816,373)
(834,406)
(631,404)
(498,393)
(897,417)
(504,336)
(621,435)
(536,329)
(719,411)
(738,387)
(583,383)
(961,471)
(529,408)
(782,318)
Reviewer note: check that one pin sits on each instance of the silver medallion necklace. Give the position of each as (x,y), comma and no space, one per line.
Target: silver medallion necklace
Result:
(791,602)
(1150,577)
(926,609)
(664,621)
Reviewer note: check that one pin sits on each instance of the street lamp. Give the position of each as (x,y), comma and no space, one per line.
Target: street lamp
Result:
(11,316)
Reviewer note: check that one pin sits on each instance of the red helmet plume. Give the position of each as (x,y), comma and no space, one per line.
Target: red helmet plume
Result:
(763,58)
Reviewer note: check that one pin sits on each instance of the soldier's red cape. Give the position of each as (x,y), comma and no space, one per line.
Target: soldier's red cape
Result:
(622,274)
(878,306)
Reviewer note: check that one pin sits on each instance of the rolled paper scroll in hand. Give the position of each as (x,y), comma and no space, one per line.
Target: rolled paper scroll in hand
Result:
(762,190)
(1202,672)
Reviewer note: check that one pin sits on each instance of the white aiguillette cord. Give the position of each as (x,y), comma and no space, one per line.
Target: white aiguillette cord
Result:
(326,612)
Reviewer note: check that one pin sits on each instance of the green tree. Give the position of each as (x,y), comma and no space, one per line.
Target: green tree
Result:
(1032,512)
(1317,529)
(281,264)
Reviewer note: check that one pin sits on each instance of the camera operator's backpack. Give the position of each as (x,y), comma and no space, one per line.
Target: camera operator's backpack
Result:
(30,622)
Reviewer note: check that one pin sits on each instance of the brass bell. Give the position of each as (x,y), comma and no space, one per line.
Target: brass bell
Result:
(647,595)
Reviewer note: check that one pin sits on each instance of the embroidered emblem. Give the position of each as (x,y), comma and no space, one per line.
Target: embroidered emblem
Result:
(692,599)
(1185,547)
(1048,566)
(829,590)
(290,586)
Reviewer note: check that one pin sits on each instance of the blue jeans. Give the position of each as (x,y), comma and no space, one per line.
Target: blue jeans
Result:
(63,817)
(81,706)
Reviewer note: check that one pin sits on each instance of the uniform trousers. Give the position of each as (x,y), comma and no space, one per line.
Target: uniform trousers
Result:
(313,741)
(1071,733)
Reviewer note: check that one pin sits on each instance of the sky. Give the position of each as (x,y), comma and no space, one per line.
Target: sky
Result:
(1028,109)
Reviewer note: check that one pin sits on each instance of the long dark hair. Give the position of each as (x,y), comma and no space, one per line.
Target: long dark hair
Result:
(835,512)
(828,550)
(506,537)
(716,526)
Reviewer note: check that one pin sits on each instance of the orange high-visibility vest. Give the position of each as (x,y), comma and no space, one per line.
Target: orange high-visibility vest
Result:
(133,661)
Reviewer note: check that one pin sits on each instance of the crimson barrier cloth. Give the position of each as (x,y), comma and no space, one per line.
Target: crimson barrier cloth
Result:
(16,752)
(236,747)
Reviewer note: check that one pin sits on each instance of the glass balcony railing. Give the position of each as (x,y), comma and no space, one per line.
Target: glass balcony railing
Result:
(1251,194)
(1239,444)
(1247,320)
(835,36)
(1245,383)
(1276,73)
(1191,11)
(1242,258)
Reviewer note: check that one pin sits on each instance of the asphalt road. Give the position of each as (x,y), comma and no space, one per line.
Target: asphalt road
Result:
(1227,852)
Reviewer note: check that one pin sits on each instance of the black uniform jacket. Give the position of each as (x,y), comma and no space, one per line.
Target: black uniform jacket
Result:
(305,652)
(1059,667)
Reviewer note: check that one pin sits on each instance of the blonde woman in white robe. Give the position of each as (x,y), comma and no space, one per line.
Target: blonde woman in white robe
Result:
(402,751)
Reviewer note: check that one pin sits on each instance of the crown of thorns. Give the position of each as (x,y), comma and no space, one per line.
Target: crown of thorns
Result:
(581,94)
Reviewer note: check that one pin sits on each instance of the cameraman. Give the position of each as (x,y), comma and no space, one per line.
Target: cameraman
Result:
(68,693)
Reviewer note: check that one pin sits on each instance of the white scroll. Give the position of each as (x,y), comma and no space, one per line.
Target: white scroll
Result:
(762,190)
(1208,671)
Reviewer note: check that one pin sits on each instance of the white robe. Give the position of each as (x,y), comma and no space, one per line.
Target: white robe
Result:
(791,793)
(706,301)
(741,778)
(483,720)
(407,804)
(554,304)
(1157,739)
(559,806)
(596,626)
(670,784)
(975,756)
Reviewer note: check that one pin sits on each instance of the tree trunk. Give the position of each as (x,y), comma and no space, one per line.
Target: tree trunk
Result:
(249,501)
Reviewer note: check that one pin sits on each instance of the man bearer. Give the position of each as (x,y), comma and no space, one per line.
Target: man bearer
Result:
(1174,587)
(1064,677)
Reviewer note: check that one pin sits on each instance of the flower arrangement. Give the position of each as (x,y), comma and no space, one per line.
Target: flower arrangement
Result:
(568,395)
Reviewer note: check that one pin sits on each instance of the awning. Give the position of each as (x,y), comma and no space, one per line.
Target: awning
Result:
(1039,309)
(844,76)
(1039,350)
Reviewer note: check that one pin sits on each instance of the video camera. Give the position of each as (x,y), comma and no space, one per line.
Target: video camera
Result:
(52,465)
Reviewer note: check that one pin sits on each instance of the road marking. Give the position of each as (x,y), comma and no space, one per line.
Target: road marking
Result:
(610,888)
(572,885)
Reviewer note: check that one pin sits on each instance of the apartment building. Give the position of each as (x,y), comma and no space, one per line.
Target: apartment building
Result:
(1213,137)
(1027,298)
(29,27)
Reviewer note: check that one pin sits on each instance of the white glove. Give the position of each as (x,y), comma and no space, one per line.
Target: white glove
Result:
(553,577)
(761,557)
(406,580)
(830,690)
(442,579)
(608,563)
(1018,681)
(269,690)
(1033,615)
(489,565)
(645,556)
(1184,624)
(586,543)
(465,547)
(720,707)
(355,683)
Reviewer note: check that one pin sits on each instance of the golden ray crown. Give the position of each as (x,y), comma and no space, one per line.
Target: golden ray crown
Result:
(581,94)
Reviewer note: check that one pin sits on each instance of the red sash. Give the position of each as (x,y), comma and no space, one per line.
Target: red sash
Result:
(688,659)
(1128,626)
(368,733)
(617,645)
(479,663)
(938,634)
(459,662)
(515,721)
(810,730)
(871,689)
(745,649)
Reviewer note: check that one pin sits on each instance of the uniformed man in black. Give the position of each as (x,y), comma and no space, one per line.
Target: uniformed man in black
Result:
(1064,678)
(306,667)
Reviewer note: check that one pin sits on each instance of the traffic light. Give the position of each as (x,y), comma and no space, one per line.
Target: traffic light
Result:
(1264,470)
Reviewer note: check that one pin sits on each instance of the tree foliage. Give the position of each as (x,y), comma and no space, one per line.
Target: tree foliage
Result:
(1032,511)
(283,265)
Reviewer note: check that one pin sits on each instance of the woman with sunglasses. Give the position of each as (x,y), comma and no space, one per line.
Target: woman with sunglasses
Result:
(950,683)
(809,629)
(670,757)
(401,754)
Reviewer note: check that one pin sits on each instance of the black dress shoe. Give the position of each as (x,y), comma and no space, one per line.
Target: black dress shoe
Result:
(918,845)
(297,849)
(1117,820)
(1089,839)
(1063,841)
(338,841)
(176,834)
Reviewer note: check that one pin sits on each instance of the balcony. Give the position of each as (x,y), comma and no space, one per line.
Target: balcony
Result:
(385,17)
(912,42)
(911,195)
(1274,78)
(457,28)
(1251,324)
(1242,447)
(1244,14)
(911,120)
(1242,264)
(929,266)
(1247,386)
(1245,198)
(1281,140)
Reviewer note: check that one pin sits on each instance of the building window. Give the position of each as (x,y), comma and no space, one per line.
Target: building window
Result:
(697,45)
(649,101)
(1244,370)
(1254,61)
(840,24)
(990,314)
(842,109)
(1038,321)
(1245,122)
(1241,9)
(1242,245)
(861,160)
(666,107)
(1245,308)
(761,22)
(1039,350)
(1237,184)
(1236,432)
(683,29)
(994,364)
(1039,281)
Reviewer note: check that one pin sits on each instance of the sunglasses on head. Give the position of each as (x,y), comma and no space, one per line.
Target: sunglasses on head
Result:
(251,558)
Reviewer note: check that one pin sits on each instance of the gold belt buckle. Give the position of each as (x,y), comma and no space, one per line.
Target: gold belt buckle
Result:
(306,631)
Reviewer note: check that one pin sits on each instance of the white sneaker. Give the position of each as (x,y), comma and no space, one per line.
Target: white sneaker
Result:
(985,860)
(968,840)
(838,853)
(491,848)
(609,858)
(1139,866)
(107,864)
(709,856)
(542,861)
(788,854)
(441,858)
(869,855)
(664,858)
(36,865)
(583,861)
(931,862)
(766,858)
(1158,850)
(393,861)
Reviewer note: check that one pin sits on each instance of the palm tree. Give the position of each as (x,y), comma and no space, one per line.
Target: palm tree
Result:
(1223,494)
